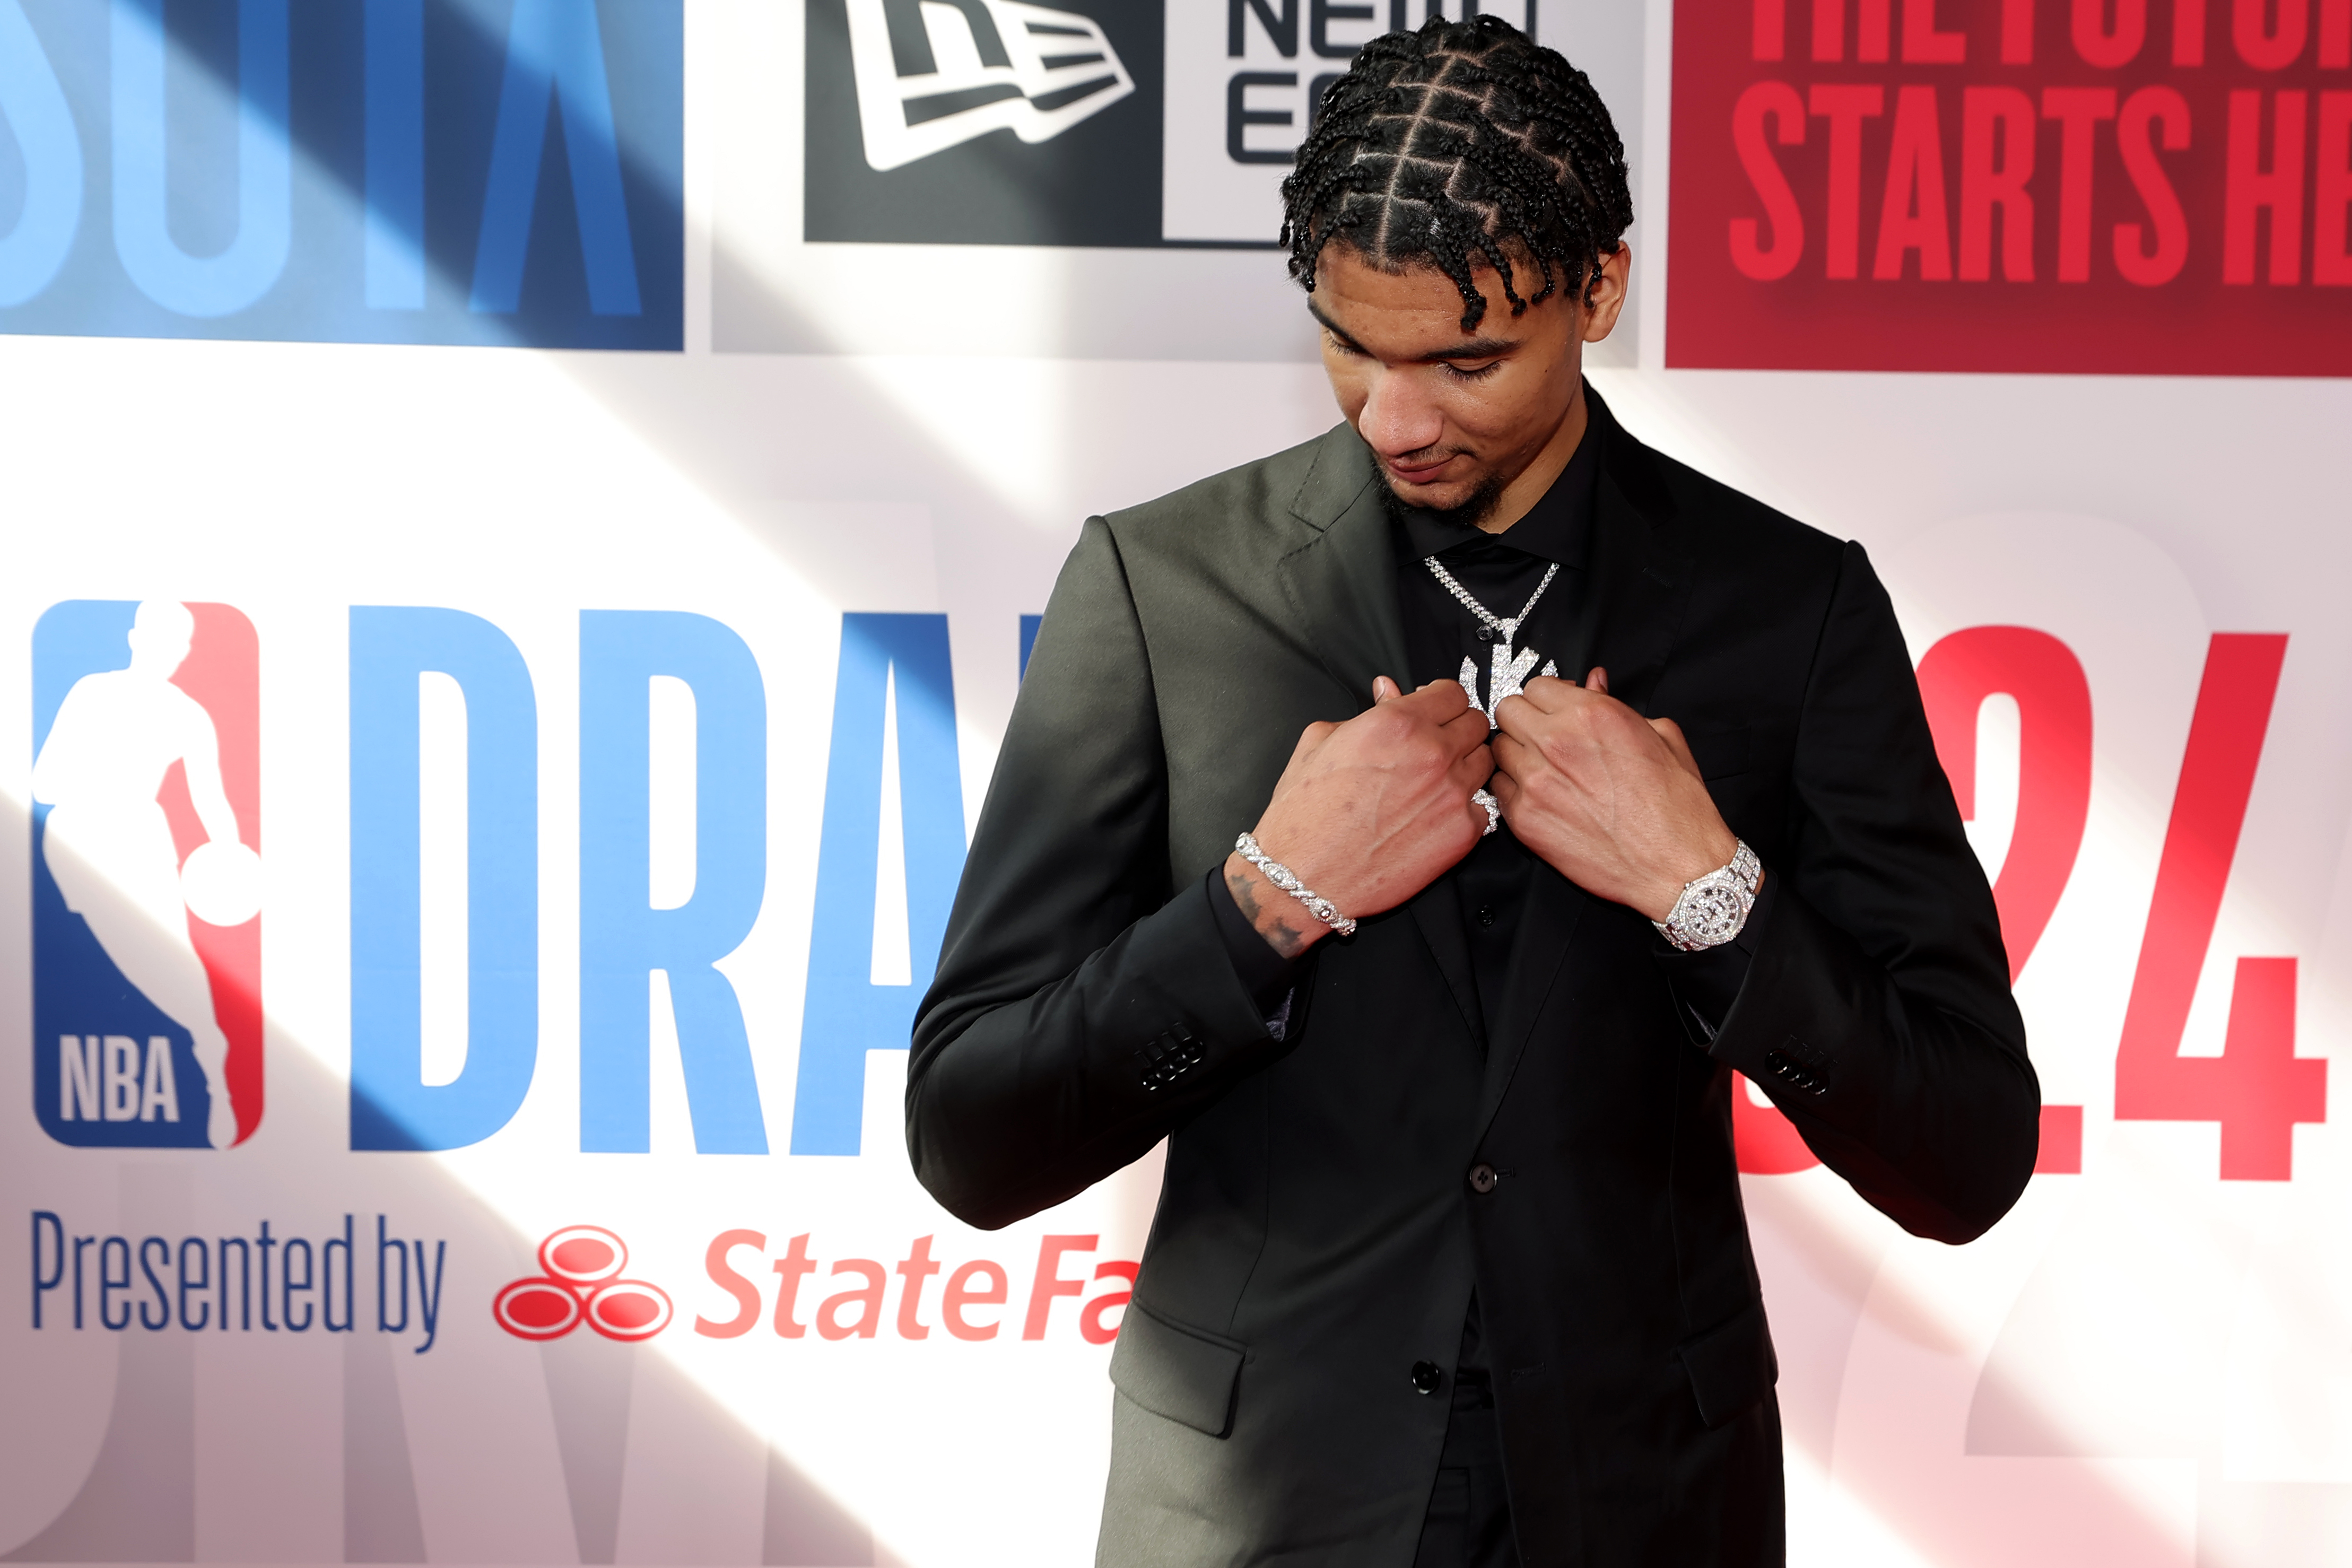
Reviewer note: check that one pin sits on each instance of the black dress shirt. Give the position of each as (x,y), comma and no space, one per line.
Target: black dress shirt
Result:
(1503,572)
(1540,558)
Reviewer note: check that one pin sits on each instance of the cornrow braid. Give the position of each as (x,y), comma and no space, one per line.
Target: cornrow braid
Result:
(1461,142)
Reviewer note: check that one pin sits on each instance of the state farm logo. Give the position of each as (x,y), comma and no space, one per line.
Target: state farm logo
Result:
(933,74)
(582,1284)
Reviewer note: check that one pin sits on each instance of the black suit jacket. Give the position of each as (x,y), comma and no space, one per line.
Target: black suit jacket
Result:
(1316,1234)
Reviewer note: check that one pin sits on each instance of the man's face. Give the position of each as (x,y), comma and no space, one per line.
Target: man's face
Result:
(1456,417)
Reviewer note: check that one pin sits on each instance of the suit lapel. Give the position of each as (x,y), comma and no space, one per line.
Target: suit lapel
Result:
(1641,572)
(1641,582)
(1547,926)
(1342,582)
(1342,586)
(1437,910)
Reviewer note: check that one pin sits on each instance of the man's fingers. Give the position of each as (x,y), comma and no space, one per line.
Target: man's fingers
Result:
(1549,692)
(1384,689)
(1551,697)
(1438,701)
(1518,717)
(1465,731)
(1473,770)
(1672,734)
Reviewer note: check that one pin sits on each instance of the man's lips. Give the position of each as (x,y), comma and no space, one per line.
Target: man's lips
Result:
(1418,473)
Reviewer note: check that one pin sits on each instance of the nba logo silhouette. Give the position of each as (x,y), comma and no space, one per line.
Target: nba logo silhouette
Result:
(146,874)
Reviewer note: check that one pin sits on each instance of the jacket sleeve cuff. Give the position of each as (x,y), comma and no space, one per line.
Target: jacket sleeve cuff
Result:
(1800,1005)
(1265,973)
(1706,985)
(1187,1004)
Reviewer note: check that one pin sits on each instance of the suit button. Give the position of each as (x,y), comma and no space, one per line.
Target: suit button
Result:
(1483,1178)
(1485,915)
(1427,1377)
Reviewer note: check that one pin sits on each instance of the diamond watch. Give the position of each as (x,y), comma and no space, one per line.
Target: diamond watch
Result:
(1713,908)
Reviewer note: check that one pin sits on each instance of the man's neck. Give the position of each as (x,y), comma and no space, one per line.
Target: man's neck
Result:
(1519,497)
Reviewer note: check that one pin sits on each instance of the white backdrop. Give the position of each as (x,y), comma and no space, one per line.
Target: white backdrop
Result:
(2144,1365)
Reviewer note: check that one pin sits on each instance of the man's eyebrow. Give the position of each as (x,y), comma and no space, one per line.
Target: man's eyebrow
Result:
(1475,348)
(1331,326)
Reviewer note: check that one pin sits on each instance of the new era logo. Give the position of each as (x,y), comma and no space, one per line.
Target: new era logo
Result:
(933,74)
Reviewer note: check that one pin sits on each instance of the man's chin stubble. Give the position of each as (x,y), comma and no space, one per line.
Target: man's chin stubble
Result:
(1472,509)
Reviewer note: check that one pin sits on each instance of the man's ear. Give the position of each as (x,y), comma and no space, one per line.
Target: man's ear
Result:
(1607,286)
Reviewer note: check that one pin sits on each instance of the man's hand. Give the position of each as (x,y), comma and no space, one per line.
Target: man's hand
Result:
(1610,799)
(1370,811)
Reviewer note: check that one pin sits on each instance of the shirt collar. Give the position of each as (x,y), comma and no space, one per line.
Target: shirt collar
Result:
(1559,526)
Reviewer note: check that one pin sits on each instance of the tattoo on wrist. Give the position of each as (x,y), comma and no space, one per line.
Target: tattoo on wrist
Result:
(1284,938)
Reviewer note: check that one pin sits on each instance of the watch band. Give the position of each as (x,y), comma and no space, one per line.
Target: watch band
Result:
(1714,908)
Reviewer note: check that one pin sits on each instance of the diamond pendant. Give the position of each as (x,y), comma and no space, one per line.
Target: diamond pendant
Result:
(1506,673)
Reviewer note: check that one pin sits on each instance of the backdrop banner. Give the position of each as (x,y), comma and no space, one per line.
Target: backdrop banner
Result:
(525,520)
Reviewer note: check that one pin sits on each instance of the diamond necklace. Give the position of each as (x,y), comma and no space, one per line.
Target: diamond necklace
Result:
(1507,670)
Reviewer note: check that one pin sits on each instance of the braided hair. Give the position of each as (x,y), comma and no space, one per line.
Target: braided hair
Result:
(1461,142)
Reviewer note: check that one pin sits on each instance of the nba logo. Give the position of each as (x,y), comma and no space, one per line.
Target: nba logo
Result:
(146,875)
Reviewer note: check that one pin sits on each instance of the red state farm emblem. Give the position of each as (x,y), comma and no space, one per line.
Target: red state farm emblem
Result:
(582,1284)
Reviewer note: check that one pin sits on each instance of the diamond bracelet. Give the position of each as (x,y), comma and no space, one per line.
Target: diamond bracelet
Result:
(1283,877)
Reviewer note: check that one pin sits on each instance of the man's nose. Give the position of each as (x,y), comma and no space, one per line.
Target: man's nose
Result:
(1398,416)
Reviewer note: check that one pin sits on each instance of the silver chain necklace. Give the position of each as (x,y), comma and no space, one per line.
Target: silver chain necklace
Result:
(1506,672)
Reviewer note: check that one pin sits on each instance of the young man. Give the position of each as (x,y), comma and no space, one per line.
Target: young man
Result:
(1449,1265)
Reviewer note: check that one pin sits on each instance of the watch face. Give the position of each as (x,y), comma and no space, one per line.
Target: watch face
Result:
(1711,910)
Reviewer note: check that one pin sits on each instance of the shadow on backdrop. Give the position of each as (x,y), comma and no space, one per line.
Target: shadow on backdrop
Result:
(138,1502)
(484,172)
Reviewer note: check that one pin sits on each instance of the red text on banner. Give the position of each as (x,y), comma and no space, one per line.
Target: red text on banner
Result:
(1998,185)
(2054,802)
(2257,1088)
